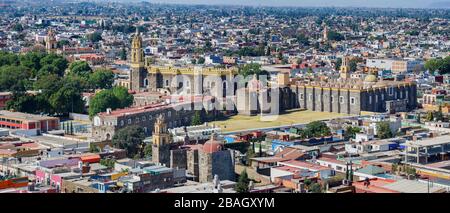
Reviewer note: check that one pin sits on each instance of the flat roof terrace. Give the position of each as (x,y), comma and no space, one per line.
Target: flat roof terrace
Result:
(24,116)
(441,140)
(241,123)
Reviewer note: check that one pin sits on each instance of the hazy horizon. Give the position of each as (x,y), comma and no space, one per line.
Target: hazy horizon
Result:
(318,3)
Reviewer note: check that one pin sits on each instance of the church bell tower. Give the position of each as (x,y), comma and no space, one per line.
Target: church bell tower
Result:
(137,63)
(161,143)
(50,41)
(345,68)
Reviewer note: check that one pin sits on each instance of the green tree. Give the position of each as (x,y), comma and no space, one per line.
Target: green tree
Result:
(250,153)
(441,65)
(445,66)
(80,68)
(316,129)
(353,64)
(316,188)
(338,64)
(14,78)
(350,132)
(439,116)
(430,116)
(260,152)
(148,150)
(124,97)
(48,84)
(81,83)
(48,70)
(7,58)
(201,60)
(197,119)
(101,101)
(432,65)
(62,43)
(17,27)
(61,64)
(101,79)
(384,130)
(93,148)
(252,69)
(303,40)
(67,99)
(130,138)
(94,37)
(117,97)
(48,59)
(243,182)
(123,54)
(108,162)
(22,103)
(32,61)
(335,36)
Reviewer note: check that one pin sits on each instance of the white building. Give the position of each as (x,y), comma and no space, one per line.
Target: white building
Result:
(395,65)
(194,133)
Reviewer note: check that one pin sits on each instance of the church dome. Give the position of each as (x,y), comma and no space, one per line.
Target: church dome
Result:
(212,145)
(370,78)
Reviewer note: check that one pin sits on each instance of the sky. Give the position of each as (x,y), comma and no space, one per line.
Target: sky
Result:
(321,3)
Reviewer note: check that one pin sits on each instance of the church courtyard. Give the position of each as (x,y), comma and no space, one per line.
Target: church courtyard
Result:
(292,117)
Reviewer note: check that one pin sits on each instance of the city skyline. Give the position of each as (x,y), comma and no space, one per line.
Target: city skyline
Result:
(321,3)
(136,96)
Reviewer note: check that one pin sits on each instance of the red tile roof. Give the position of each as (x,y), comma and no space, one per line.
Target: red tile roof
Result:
(376,186)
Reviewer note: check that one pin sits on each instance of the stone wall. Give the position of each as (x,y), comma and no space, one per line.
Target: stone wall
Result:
(223,165)
(193,163)
(178,158)
(161,154)
(205,167)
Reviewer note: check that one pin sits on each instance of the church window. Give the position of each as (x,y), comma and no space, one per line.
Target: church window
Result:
(169,114)
(332,99)
(370,99)
(167,83)
(121,123)
(129,120)
(341,99)
(149,117)
(301,96)
(143,118)
(391,91)
(353,100)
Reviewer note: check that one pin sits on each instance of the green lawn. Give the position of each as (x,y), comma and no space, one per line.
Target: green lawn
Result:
(242,122)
